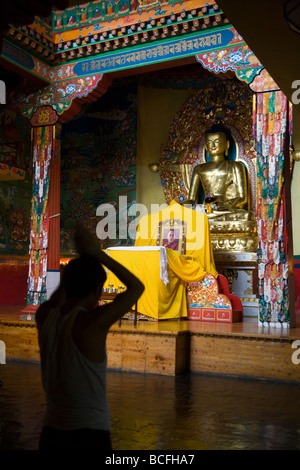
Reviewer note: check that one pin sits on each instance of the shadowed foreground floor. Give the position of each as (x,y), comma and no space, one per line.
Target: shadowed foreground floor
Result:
(151,412)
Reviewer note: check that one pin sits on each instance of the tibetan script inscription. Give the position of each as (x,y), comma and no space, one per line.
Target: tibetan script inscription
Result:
(174,49)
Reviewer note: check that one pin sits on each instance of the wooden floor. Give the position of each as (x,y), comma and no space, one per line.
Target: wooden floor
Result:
(150,412)
(172,347)
(249,327)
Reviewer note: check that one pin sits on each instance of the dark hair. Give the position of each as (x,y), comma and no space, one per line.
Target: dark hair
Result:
(216,128)
(82,276)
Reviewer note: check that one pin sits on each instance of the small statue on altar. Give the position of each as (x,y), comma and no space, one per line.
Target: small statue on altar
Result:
(224,182)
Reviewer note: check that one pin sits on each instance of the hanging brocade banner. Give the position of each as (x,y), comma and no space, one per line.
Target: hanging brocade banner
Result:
(270,120)
(42,150)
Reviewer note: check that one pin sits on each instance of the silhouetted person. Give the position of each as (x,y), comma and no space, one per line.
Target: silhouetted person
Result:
(72,331)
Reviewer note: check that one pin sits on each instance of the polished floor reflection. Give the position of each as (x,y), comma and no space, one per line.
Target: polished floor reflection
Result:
(151,412)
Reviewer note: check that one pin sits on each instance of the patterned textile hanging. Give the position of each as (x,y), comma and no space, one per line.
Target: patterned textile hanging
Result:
(42,143)
(270,118)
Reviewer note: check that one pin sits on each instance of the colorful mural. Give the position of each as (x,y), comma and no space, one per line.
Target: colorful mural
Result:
(15,184)
(98,159)
(92,13)
(14,217)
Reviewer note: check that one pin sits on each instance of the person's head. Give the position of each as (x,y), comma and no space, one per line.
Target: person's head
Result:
(83,277)
(216,141)
(171,235)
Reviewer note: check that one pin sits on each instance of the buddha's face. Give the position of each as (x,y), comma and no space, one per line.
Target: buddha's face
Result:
(216,144)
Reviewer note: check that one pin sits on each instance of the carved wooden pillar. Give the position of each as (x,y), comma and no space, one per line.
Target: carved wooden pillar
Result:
(46,121)
(53,264)
(43,197)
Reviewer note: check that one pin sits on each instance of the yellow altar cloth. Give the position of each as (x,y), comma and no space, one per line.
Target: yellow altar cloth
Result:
(164,272)
(158,268)
(197,233)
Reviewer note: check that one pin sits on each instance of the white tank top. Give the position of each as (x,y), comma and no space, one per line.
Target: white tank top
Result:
(75,387)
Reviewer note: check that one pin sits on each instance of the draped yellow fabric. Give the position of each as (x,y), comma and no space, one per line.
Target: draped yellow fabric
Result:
(198,242)
(158,300)
(166,300)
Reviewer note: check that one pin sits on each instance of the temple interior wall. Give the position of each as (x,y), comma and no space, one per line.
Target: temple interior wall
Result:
(156,108)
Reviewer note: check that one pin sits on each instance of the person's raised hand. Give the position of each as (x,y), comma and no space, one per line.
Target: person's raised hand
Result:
(85,242)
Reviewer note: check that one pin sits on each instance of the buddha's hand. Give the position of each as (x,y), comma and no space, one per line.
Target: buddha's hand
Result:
(187,202)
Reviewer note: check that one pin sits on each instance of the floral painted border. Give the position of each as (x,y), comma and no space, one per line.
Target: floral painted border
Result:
(239,58)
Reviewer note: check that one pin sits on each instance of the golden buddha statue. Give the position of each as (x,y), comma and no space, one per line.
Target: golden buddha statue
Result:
(224,182)
(225,188)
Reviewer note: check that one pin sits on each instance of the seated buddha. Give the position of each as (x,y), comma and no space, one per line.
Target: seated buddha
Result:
(225,186)
(224,182)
